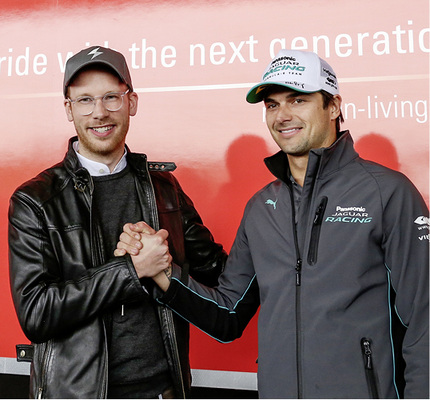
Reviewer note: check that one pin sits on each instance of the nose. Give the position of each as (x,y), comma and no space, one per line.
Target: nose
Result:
(100,110)
(284,113)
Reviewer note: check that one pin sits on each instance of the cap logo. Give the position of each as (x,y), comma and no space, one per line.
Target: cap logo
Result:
(280,68)
(329,73)
(288,58)
(260,88)
(95,53)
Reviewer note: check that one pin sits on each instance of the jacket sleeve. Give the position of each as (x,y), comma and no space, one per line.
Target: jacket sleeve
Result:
(406,249)
(224,311)
(202,255)
(47,304)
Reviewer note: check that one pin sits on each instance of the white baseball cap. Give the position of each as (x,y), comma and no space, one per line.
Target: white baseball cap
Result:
(299,70)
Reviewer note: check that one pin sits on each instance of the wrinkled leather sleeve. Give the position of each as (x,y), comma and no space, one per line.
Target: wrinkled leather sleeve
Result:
(49,304)
(200,253)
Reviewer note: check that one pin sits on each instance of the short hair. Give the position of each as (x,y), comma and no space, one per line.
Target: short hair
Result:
(327,99)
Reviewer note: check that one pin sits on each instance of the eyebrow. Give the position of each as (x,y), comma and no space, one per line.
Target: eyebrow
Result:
(290,95)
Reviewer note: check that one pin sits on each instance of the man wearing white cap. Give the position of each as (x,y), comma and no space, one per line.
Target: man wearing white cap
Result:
(334,251)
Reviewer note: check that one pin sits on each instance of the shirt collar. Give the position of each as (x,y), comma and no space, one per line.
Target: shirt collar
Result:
(99,169)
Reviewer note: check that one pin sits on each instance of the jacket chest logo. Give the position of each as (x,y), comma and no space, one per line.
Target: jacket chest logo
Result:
(350,214)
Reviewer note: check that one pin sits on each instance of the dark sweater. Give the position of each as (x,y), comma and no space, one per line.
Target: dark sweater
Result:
(136,352)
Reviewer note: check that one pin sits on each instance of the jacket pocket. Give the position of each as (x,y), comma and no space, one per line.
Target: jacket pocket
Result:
(316,229)
(372,382)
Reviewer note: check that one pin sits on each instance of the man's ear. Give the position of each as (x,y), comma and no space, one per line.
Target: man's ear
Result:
(68,109)
(133,99)
(335,105)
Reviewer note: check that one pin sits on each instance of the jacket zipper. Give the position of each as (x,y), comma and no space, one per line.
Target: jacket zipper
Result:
(369,369)
(316,229)
(298,271)
(96,259)
(45,356)
(104,383)
(168,313)
(175,349)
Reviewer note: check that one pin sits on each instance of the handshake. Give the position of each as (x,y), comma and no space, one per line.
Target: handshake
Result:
(149,251)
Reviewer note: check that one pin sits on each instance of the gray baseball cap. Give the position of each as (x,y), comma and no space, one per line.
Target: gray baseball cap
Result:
(97,55)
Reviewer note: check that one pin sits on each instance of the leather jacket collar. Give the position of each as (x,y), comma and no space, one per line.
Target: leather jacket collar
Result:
(82,178)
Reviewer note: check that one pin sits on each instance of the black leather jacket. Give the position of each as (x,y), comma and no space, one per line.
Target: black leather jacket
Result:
(62,286)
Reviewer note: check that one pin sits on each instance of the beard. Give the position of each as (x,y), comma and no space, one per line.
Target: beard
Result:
(97,148)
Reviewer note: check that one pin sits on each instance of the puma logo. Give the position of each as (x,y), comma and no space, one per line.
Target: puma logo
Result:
(272,203)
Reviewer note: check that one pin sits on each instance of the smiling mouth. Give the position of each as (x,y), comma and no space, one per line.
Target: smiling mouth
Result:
(102,130)
(289,132)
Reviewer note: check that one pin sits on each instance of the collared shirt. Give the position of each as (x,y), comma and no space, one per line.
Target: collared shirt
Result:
(99,169)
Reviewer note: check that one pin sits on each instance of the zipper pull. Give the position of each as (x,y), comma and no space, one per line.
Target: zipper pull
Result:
(318,216)
(319,213)
(298,272)
(39,395)
(367,353)
(122,310)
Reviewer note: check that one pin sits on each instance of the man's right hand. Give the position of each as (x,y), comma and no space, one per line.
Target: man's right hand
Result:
(133,240)
(154,256)
(129,240)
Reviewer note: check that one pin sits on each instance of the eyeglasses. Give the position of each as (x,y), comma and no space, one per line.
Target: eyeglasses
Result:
(112,101)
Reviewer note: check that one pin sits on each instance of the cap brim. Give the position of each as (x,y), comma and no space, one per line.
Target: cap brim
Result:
(258,92)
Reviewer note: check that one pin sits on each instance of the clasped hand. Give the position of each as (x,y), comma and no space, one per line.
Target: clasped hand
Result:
(149,249)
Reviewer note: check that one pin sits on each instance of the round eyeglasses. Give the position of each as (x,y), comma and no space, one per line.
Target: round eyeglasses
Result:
(112,101)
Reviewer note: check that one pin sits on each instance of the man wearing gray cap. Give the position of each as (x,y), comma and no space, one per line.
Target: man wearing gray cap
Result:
(95,330)
(335,251)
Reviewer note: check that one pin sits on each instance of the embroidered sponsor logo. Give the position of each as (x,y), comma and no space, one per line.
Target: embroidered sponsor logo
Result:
(423,224)
(279,68)
(95,53)
(422,220)
(260,88)
(272,203)
(350,214)
(284,66)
